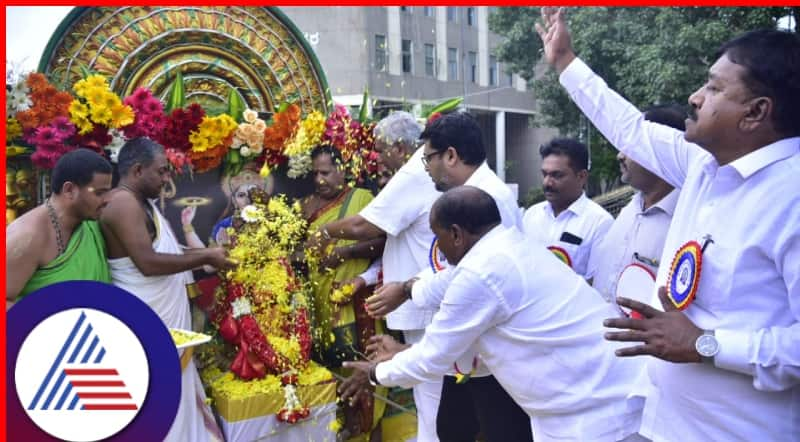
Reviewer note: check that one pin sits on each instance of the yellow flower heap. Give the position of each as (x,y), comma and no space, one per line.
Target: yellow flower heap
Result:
(96,104)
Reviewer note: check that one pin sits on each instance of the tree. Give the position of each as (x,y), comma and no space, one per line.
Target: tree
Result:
(649,55)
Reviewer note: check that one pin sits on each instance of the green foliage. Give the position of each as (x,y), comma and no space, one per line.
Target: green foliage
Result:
(649,55)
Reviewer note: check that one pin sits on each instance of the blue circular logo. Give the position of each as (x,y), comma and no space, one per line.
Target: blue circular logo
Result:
(89,361)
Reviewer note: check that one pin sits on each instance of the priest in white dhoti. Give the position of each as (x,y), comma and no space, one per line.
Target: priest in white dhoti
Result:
(146,260)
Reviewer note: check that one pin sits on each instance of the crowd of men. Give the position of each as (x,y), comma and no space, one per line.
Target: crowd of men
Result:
(501,337)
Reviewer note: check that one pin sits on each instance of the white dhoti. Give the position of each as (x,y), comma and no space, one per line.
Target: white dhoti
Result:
(167,296)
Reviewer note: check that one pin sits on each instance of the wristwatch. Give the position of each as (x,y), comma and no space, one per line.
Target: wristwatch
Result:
(373,377)
(707,346)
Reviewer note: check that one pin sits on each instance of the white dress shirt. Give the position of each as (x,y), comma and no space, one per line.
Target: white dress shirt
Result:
(429,290)
(401,209)
(538,327)
(636,237)
(584,218)
(749,288)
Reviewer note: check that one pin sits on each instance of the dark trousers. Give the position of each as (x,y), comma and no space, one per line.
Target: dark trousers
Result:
(480,405)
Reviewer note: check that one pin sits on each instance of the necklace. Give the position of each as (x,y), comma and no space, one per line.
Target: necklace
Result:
(56,225)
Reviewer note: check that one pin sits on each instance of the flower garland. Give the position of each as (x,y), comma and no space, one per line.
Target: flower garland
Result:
(98,105)
(44,102)
(264,312)
(248,138)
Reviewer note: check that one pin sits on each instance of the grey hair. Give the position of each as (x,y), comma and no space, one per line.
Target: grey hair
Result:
(399,127)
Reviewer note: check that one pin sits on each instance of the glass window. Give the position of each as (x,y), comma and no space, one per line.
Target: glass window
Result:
(470,16)
(452,14)
(427,11)
(430,60)
(452,64)
(380,52)
(493,70)
(406,55)
(473,67)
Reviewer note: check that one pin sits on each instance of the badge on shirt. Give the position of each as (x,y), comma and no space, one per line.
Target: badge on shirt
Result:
(684,274)
(635,282)
(561,254)
(436,258)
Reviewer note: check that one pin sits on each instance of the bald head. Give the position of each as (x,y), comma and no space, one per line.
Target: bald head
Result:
(466,206)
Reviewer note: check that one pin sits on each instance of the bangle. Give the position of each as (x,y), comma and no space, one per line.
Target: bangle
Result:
(373,377)
(187,228)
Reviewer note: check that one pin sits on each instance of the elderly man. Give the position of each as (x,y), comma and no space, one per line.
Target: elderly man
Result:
(538,332)
(568,222)
(725,359)
(146,260)
(400,212)
(60,240)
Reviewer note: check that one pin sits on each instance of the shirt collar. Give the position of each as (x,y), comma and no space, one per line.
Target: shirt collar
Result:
(577,207)
(477,175)
(753,162)
(666,204)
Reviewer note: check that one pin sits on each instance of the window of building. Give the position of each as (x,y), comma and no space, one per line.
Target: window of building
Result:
(380,52)
(452,14)
(405,9)
(430,60)
(509,76)
(470,16)
(473,67)
(493,68)
(452,64)
(406,55)
(428,11)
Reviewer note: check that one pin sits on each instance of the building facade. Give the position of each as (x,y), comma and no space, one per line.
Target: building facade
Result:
(409,56)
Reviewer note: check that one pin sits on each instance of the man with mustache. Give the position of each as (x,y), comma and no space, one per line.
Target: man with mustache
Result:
(568,222)
(146,260)
(636,238)
(61,240)
(725,352)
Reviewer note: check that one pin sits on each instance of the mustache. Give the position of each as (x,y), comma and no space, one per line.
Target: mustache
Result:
(549,189)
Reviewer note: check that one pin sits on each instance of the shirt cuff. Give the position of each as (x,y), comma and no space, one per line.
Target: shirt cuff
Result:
(733,351)
(575,74)
(416,293)
(382,374)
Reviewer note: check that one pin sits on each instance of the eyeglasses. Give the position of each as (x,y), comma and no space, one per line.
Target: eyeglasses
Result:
(426,158)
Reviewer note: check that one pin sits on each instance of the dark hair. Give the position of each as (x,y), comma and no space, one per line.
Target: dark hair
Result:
(469,207)
(336,156)
(672,115)
(141,150)
(772,63)
(79,167)
(459,130)
(571,148)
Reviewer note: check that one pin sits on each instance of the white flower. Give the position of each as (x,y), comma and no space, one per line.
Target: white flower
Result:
(17,101)
(237,143)
(250,115)
(117,141)
(241,306)
(244,151)
(299,165)
(251,213)
(256,150)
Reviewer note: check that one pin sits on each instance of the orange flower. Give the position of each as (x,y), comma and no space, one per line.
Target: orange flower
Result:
(37,82)
(28,119)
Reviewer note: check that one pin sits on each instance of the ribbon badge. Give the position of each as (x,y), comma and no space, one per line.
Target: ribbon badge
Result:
(561,254)
(436,258)
(684,274)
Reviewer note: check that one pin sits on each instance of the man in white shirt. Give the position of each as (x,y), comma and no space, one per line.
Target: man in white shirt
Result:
(568,222)
(454,155)
(400,211)
(535,323)
(633,244)
(727,366)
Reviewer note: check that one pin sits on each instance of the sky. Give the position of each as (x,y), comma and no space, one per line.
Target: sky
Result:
(28,29)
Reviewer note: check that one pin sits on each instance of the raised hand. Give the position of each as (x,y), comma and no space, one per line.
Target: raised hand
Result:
(555,37)
(187,215)
(667,335)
